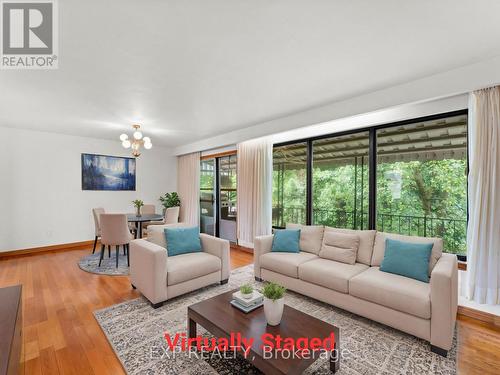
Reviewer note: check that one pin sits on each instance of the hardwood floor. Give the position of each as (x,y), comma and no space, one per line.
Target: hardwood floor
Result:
(61,335)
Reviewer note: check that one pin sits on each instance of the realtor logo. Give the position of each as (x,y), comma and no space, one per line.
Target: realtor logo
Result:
(29,34)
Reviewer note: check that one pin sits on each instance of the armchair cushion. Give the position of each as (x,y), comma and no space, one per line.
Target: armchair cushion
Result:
(182,240)
(190,266)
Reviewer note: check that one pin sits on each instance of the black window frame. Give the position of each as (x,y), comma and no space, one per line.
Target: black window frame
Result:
(372,163)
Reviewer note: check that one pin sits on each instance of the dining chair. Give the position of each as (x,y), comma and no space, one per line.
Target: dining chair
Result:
(96,212)
(115,232)
(171,217)
(148,209)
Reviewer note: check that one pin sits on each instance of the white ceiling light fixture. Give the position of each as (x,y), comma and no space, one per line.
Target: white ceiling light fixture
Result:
(136,142)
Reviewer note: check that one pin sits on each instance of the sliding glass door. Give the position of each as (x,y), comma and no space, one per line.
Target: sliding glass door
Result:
(207,197)
(218,193)
(227,197)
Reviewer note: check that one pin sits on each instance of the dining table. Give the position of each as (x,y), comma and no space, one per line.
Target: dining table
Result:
(138,220)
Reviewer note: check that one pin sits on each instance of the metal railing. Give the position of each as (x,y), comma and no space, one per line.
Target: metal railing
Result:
(452,231)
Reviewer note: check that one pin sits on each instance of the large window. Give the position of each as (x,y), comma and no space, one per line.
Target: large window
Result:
(422,180)
(340,181)
(289,184)
(417,184)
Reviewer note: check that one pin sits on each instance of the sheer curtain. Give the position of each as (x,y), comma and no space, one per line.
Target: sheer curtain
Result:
(255,178)
(483,235)
(188,187)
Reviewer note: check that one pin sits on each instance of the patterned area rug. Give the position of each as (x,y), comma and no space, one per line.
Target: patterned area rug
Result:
(135,331)
(90,263)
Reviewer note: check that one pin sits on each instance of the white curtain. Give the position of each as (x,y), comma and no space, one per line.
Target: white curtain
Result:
(483,235)
(255,177)
(188,187)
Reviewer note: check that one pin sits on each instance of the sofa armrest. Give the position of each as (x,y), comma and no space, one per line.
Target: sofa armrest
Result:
(148,269)
(444,301)
(262,245)
(219,248)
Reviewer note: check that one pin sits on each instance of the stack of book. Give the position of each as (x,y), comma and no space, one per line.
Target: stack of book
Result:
(247,304)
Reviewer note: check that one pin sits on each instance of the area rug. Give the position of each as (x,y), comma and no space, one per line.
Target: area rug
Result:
(90,263)
(135,331)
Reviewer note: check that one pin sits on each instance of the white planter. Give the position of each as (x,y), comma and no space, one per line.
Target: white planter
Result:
(273,310)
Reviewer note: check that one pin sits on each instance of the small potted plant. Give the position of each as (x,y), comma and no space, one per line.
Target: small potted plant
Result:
(170,200)
(273,302)
(246,291)
(138,204)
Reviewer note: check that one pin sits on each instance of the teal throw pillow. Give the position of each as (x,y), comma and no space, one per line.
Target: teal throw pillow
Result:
(407,259)
(286,241)
(182,240)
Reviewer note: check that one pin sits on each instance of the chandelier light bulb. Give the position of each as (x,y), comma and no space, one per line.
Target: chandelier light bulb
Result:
(136,141)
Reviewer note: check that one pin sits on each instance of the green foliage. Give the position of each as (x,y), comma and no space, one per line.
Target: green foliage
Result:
(138,203)
(273,291)
(432,200)
(246,288)
(170,200)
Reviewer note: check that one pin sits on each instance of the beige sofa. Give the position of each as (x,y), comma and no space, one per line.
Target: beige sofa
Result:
(160,277)
(425,310)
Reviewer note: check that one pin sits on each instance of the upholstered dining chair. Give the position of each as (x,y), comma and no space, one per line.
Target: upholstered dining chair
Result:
(148,209)
(115,232)
(171,217)
(96,212)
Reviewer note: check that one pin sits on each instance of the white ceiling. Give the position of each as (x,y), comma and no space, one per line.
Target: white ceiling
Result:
(188,70)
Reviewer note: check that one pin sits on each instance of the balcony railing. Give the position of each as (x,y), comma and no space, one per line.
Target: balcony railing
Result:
(452,231)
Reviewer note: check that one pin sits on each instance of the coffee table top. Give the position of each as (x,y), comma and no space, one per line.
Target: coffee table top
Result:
(220,318)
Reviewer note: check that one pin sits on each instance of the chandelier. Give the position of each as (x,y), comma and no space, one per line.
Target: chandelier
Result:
(137,141)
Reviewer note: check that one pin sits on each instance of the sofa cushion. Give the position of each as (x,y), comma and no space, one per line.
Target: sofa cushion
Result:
(330,274)
(379,247)
(286,241)
(311,237)
(366,240)
(340,247)
(285,263)
(396,292)
(186,267)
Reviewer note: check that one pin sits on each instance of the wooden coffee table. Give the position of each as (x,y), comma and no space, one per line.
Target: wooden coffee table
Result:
(221,319)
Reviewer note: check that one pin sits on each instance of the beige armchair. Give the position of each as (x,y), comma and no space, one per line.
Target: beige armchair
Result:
(160,277)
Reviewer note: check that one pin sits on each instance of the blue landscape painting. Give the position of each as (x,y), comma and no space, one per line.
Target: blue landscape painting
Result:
(101,172)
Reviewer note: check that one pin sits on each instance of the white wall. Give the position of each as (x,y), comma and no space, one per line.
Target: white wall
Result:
(41,199)
(448,84)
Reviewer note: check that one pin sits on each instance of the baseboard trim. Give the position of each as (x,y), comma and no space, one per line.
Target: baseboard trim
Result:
(479,315)
(42,249)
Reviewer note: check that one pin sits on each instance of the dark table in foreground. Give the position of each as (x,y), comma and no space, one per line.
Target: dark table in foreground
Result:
(10,329)
(218,317)
(138,220)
